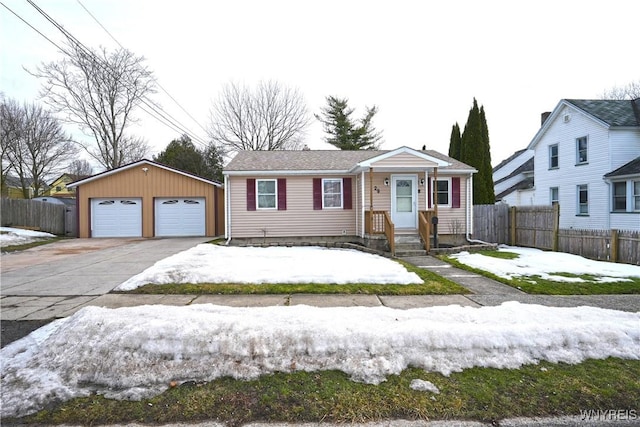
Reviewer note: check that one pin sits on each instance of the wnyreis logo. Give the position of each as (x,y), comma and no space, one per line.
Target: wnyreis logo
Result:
(609,415)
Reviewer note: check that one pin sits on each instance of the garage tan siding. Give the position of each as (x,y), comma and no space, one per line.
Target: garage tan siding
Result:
(300,219)
(156,182)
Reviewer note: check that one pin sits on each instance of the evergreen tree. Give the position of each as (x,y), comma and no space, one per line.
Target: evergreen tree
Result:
(343,132)
(455,142)
(487,170)
(182,154)
(475,151)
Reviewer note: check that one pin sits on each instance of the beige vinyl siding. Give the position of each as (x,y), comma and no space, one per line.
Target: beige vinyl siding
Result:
(453,220)
(156,182)
(299,220)
(403,160)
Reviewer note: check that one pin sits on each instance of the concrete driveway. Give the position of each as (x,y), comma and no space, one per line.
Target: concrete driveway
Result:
(74,272)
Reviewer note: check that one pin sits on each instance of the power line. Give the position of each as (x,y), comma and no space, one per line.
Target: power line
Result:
(158,83)
(170,122)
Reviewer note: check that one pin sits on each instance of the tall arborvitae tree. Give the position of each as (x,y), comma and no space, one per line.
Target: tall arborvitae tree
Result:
(455,142)
(487,171)
(475,151)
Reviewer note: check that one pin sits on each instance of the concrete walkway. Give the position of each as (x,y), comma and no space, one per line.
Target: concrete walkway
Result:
(488,292)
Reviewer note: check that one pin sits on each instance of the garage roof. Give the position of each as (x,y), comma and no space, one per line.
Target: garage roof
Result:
(137,164)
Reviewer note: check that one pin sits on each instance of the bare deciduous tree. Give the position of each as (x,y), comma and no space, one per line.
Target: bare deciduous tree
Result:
(39,148)
(98,91)
(10,128)
(80,168)
(271,117)
(629,91)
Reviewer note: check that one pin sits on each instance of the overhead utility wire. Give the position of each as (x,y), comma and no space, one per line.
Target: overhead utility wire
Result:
(159,85)
(168,121)
(87,52)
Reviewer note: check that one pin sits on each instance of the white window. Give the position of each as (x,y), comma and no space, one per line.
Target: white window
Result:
(554,195)
(581,150)
(331,193)
(583,200)
(636,196)
(553,156)
(443,195)
(620,196)
(266,193)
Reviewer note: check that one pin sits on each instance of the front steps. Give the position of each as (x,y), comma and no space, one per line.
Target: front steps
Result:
(409,245)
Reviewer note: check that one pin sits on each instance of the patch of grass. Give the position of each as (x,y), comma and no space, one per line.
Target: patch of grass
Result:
(15,248)
(539,286)
(433,285)
(499,254)
(482,394)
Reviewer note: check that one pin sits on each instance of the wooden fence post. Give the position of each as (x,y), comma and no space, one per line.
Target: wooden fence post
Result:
(614,245)
(556,226)
(513,226)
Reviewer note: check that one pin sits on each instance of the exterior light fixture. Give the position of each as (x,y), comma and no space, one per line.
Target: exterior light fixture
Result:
(386,182)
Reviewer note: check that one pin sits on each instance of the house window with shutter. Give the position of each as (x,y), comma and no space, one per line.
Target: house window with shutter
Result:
(266,193)
(331,193)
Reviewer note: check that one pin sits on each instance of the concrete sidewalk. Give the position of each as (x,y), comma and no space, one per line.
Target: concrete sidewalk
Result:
(43,305)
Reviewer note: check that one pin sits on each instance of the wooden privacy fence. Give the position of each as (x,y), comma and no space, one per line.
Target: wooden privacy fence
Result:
(43,216)
(538,227)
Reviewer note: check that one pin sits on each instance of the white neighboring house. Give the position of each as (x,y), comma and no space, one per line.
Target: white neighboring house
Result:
(586,160)
(513,179)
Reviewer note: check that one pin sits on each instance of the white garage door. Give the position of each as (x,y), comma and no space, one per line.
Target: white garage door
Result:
(180,217)
(116,217)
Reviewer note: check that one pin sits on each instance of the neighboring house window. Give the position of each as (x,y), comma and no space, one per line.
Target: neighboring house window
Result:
(331,193)
(58,188)
(620,196)
(581,150)
(636,196)
(583,200)
(554,195)
(553,156)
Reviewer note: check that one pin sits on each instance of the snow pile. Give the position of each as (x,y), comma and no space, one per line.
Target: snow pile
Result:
(207,263)
(532,262)
(16,236)
(136,352)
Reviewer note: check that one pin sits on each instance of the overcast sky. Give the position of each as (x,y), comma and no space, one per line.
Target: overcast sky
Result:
(420,62)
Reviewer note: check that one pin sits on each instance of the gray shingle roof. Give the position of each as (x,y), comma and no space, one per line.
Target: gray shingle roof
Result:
(612,112)
(316,160)
(631,168)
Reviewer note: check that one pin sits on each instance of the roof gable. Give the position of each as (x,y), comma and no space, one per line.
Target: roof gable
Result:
(404,154)
(140,163)
(606,112)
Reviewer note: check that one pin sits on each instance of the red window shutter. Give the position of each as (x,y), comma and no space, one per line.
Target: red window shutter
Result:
(346,193)
(429,193)
(455,192)
(282,194)
(317,194)
(251,194)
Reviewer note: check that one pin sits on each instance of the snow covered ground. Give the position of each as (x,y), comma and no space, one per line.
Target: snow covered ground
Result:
(15,236)
(532,262)
(134,353)
(207,263)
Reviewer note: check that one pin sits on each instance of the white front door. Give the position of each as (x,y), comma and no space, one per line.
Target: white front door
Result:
(404,200)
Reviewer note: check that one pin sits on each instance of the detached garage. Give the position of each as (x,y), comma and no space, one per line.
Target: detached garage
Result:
(148,199)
